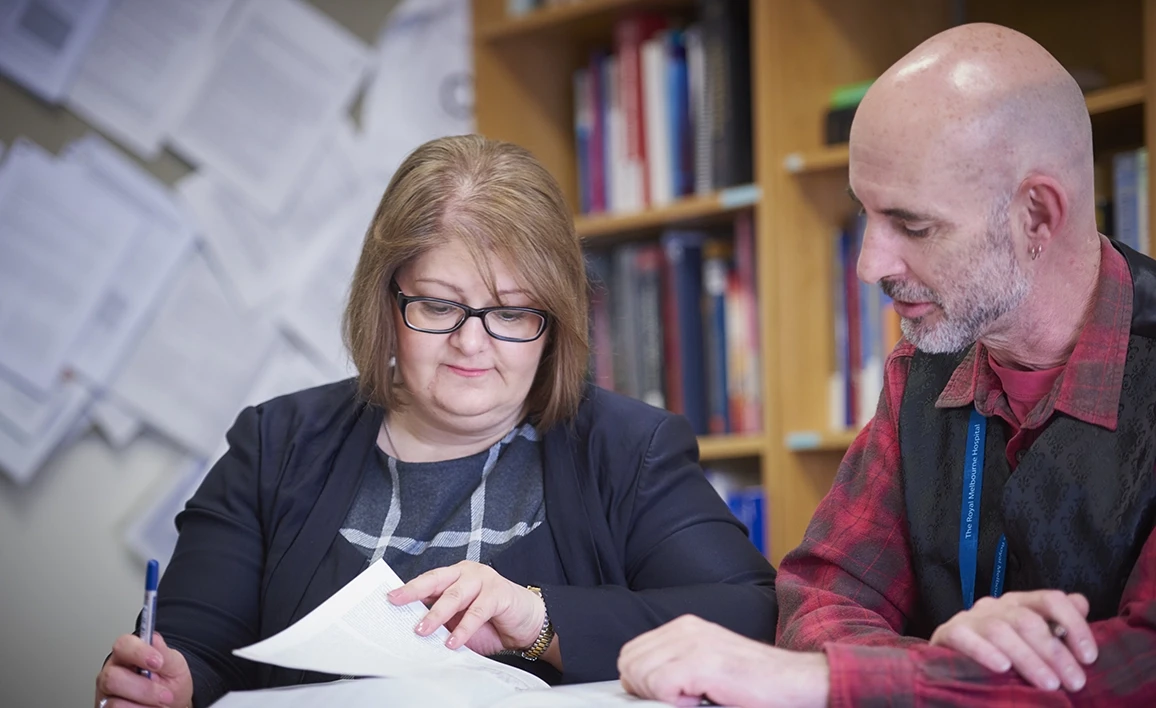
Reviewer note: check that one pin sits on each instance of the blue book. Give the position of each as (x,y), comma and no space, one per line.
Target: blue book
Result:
(748,507)
(715,270)
(678,96)
(583,126)
(683,250)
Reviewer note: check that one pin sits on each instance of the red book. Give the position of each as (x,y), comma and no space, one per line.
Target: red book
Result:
(629,35)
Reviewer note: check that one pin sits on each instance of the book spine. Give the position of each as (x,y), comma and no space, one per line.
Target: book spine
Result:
(684,252)
(715,268)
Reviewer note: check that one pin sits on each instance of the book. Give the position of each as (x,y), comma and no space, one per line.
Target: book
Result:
(359,632)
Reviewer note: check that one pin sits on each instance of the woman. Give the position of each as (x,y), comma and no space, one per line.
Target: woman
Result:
(534,513)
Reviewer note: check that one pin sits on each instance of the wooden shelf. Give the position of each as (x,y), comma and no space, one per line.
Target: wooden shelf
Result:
(820,440)
(833,157)
(828,157)
(575,17)
(685,211)
(1115,97)
(722,447)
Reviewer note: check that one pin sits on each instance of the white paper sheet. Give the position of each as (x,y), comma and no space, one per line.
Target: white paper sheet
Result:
(311,314)
(280,81)
(260,255)
(24,414)
(43,41)
(60,242)
(444,688)
(423,87)
(163,242)
(141,64)
(118,426)
(22,456)
(359,632)
(194,363)
(579,695)
(152,533)
(449,689)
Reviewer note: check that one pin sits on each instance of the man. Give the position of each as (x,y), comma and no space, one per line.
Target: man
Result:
(1022,403)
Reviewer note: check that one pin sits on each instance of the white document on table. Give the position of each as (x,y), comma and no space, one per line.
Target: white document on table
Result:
(163,242)
(281,80)
(42,42)
(194,363)
(261,254)
(444,688)
(141,65)
(423,86)
(60,243)
(21,456)
(359,632)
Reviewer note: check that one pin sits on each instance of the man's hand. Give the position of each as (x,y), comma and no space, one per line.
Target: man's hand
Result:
(689,659)
(1042,634)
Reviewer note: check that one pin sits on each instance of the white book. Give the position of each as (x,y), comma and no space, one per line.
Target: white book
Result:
(656,114)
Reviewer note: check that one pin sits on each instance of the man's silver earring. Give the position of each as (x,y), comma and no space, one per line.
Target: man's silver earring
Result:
(1035,251)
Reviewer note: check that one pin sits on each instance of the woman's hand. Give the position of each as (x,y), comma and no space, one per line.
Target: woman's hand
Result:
(120,686)
(482,610)
(1042,634)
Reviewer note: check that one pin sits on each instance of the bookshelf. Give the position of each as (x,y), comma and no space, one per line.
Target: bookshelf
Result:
(688,211)
(801,50)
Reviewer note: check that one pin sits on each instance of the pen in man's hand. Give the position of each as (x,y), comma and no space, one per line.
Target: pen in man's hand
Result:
(148,613)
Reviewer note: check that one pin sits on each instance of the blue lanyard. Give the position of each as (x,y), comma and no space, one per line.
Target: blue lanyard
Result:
(969,515)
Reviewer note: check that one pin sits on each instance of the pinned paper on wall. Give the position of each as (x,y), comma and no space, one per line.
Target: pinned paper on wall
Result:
(280,80)
(189,373)
(423,87)
(141,65)
(61,241)
(42,42)
(260,255)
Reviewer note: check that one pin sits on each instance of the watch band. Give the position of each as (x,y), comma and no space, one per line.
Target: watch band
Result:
(545,636)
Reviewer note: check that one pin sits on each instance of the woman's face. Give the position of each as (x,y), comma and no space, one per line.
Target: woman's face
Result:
(465,381)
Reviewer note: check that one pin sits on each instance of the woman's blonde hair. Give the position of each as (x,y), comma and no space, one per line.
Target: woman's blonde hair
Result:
(499,202)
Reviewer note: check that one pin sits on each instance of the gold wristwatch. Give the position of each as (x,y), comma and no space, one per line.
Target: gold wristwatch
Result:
(538,648)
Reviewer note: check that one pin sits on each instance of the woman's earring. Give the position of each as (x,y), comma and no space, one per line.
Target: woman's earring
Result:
(392,361)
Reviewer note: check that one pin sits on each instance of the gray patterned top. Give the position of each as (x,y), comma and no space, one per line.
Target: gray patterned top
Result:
(425,515)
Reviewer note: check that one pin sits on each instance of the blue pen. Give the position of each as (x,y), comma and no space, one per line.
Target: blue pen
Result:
(148,613)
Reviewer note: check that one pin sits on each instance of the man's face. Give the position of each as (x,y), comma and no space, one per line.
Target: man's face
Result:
(938,247)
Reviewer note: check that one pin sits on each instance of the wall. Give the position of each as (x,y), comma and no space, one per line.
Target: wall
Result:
(68,585)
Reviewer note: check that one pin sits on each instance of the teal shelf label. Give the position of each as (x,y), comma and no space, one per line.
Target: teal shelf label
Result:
(739,197)
(803,440)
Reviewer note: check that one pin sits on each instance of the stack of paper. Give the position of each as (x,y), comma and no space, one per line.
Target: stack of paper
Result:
(136,307)
(359,632)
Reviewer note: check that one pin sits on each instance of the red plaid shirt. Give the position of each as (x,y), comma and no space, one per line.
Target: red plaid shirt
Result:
(849,588)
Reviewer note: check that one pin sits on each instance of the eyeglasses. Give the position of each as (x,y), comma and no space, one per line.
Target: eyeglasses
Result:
(436,316)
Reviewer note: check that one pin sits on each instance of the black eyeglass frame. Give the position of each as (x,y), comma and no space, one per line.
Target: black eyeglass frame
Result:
(403,301)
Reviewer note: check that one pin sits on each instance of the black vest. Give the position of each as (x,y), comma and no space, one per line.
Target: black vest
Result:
(1079,507)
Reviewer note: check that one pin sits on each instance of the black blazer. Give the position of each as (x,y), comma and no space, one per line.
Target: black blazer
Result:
(634,536)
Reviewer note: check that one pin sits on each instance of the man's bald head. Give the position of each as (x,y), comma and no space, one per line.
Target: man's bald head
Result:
(988,105)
